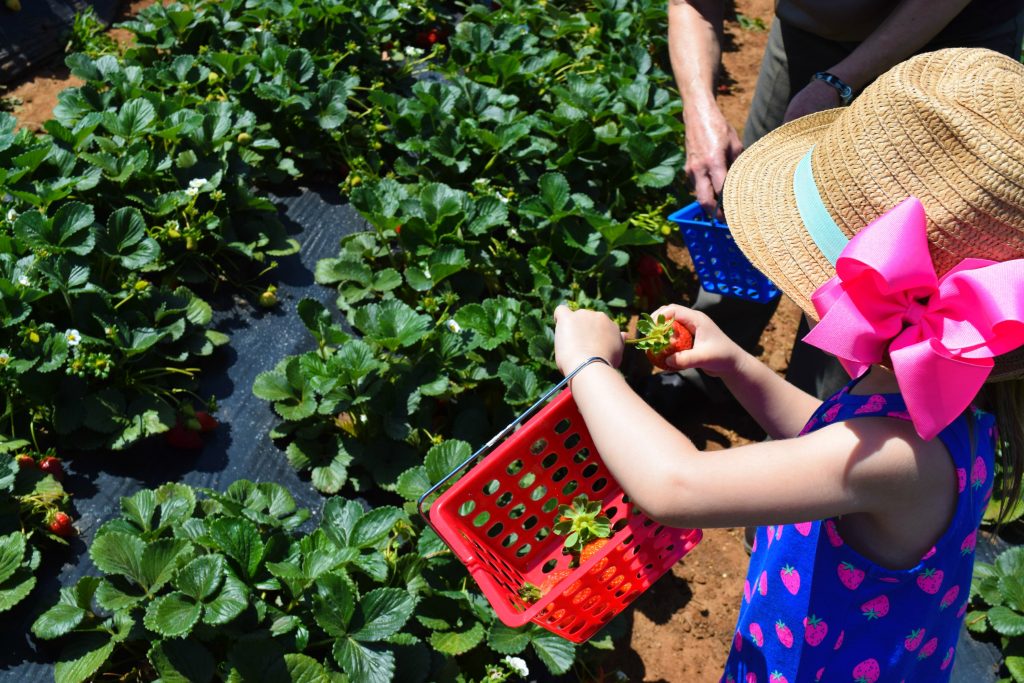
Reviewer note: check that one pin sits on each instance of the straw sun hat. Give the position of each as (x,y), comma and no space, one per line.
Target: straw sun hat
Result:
(946,127)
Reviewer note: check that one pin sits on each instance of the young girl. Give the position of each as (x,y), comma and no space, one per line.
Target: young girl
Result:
(898,224)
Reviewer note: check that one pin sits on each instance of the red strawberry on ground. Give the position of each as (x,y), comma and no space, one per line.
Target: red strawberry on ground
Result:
(930,580)
(784,634)
(207,422)
(60,525)
(180,436)
(875,608)
(850,576)
(867,671)
(815,630)
(25,461)
(661,338)
(51,465)
(790,579)
(913,640)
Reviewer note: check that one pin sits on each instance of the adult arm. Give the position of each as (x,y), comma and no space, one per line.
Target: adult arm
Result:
(908,28)
(694,47)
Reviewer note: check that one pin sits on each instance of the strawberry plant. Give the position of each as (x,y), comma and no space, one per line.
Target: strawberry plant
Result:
(997,600)
(218,586)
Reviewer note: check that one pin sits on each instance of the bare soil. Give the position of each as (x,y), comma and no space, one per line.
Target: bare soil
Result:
(683,625)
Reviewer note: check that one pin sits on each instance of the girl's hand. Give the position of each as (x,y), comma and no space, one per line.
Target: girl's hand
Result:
(713,351)
(582,334)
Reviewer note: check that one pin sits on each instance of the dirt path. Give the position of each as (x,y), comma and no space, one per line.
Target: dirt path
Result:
(682,626)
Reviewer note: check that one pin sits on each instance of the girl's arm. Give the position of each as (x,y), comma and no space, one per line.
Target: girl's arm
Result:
(877,466)
(779,407)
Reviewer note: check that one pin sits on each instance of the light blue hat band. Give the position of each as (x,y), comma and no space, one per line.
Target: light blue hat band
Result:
(822,229)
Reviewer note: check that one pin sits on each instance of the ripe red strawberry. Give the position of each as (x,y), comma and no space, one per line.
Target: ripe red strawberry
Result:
(661,338)
(51,465)
(61,525)
(25,461)
(592,549)
(207,422)
(180,436)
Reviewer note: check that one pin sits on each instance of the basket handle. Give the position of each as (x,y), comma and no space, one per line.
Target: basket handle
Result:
(503,433)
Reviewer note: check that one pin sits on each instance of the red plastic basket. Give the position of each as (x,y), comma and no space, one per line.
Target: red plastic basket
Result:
(498,518)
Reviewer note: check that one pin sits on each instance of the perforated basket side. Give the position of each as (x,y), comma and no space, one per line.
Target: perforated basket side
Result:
(719,263)
(498,517)
(498,520)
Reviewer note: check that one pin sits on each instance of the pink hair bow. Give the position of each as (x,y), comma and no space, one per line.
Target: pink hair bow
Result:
(940,334)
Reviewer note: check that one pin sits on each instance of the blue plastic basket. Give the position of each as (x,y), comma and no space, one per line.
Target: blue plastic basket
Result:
(720,265)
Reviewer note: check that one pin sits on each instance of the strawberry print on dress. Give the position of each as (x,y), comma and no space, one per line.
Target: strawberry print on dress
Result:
(838,616)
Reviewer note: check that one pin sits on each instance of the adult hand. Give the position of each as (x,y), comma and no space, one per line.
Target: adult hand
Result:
(711,147)
(582,334)
(713,351)
(814,97)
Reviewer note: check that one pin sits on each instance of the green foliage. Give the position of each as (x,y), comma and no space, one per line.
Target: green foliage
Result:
(198,578)
(997,594)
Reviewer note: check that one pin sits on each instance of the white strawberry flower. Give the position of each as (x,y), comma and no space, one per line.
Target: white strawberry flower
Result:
(192,191)
(12,215)
(197,182)
(73,337)
(453,326)
(413,51)
(24,281)
(5,358)
(501,198)
(517,665)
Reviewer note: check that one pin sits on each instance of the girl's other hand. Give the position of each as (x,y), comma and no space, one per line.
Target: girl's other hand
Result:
(582,334)
(713,351)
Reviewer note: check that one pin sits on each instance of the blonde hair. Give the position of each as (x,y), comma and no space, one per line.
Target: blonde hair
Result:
(1006,400)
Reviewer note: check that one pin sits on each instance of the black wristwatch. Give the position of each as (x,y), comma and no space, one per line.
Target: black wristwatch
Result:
(845,91)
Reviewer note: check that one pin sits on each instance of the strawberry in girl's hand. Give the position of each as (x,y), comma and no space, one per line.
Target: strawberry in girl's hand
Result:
(51,465)
(60,525)
(661,338)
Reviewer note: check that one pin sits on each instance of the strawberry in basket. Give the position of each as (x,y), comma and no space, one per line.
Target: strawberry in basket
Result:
(586,531)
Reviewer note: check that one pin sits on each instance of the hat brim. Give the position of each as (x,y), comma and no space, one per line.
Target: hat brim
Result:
(760,209)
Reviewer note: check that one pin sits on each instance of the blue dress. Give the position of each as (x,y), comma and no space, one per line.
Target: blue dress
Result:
(814,609)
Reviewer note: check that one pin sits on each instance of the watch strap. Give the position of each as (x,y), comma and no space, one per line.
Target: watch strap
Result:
(844,90)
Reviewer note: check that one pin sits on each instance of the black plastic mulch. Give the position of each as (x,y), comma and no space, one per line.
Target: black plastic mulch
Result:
(39,31)
(240,447)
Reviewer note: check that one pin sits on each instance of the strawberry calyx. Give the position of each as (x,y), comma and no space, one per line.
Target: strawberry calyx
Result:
(660,338)
(581,523)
